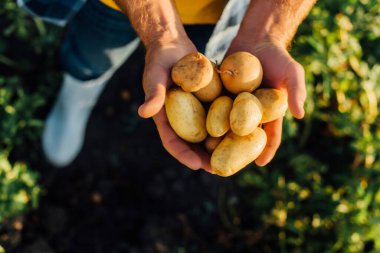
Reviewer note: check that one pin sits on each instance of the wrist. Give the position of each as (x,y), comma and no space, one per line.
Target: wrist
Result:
(155,22)
(170,43)
(169,34)
(268,27)
(255,45)
(165,50)
(272,22)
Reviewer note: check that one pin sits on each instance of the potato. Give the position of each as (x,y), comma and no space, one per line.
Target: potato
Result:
(246,114)
(192,72)
(246,95)
(240,72)
(235,152)
(217,122)
(274,102)
(211,143)
(212,90)
(186,115)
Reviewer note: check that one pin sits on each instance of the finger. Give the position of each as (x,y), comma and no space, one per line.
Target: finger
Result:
(296,89)
(155,84)
(273,130)
(191,155)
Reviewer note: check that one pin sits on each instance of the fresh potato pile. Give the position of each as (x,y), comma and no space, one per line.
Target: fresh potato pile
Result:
(231,127)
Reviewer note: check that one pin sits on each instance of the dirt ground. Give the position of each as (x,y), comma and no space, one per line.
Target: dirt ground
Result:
(124,193)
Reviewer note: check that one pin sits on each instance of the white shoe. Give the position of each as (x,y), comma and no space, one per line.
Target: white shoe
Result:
(64,131)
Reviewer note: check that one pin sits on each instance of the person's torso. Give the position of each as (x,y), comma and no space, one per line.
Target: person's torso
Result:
(193,11)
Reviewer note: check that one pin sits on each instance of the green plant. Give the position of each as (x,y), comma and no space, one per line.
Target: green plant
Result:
(321,194)
(19,188)
(23,92)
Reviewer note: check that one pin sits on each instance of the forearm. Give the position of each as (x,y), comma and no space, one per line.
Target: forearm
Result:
(274,21)
(154,21)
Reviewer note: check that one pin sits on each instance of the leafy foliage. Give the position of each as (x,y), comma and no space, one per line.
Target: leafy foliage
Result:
(322,194)
(19,188)
(23,56)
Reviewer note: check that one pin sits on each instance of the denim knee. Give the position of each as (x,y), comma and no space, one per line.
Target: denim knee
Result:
(94,41)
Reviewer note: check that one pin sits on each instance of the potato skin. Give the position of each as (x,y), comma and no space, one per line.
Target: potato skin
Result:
(217,121)
(211,143)
(212,90)
(235,152)
(240,72)
(274,103)
(186,115)
(246,114)
(192,72)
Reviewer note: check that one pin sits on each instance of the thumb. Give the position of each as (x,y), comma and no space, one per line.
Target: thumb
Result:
(155,82)
(296,89)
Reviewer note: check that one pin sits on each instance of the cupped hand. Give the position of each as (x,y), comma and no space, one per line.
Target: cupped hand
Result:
(159,60)
(282,72)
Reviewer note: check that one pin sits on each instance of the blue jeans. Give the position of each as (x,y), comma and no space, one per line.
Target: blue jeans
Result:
(97,35)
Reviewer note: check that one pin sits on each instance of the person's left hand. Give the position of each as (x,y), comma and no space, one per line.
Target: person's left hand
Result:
(282,72)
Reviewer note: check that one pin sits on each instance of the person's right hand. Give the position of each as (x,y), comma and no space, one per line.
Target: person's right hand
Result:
(159,60)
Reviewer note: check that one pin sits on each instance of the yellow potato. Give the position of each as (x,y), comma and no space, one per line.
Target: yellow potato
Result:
(186,115)
(274,102)
(212,90)
(211,143)
(217,122)
(192,72)
(235,152)
(246,95)
(240,72)
(246,114)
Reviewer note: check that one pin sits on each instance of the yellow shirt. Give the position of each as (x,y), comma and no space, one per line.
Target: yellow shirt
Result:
(193,11)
